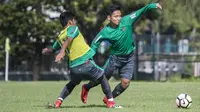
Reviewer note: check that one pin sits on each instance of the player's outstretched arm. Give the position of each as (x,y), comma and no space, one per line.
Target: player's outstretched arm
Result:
(47,50)
(134,16)
(158,6)
(146,8)
(52,49)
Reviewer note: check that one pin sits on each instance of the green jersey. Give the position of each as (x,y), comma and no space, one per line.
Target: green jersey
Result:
(121,36)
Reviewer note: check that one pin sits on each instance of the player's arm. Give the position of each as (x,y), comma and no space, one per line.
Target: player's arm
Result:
(97,41)
(51,49)
(134,16)
(72,32)
(61,54)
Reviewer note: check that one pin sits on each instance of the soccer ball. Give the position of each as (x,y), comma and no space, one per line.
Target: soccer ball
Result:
(183,101)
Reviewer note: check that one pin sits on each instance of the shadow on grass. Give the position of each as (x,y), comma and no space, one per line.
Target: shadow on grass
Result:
(52,106)
(84,106)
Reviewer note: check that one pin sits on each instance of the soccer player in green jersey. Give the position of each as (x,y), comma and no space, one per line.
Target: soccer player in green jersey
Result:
(119,34)
(72,44)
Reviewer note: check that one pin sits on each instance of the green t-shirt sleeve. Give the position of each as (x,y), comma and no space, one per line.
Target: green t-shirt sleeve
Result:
(56,46)
(72,32)
(97,41)
(134,16)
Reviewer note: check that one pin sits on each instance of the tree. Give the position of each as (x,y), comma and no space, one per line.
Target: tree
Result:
(26,25)
(30,28)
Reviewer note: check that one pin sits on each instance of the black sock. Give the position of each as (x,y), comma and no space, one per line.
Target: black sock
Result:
(106,88)
(118,90)
(67,90)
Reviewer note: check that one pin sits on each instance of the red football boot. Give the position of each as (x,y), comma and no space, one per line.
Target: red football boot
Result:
(84,95)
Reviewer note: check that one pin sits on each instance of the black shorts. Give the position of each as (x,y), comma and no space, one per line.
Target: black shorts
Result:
(87,71)
(123,63)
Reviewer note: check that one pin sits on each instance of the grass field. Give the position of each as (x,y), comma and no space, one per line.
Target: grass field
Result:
(140,97)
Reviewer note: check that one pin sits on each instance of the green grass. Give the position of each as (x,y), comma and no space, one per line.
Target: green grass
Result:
(139,97)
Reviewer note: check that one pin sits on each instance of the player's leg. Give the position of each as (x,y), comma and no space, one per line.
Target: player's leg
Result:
(105,88)
(126,73)
(68,88)
(109,67)
(108,71)
(121,87)
(95,74)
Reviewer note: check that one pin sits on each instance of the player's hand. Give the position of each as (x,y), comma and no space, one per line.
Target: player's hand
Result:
(59,57)
(158,6)
(46,50)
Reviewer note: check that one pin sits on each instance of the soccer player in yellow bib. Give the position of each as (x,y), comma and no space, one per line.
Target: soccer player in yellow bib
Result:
(71,43)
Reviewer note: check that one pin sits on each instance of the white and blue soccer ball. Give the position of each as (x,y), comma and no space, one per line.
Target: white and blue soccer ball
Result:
(183,101)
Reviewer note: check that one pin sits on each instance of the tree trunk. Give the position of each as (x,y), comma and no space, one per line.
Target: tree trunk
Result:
(36,70)
(37,61)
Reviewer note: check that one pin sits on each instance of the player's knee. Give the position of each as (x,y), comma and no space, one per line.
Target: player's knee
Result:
(125,83)
(98,81)
(108,76)
(75,83)
(70,86)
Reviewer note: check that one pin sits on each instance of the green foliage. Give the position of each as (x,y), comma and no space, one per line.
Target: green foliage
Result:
(25,21)
(25,24)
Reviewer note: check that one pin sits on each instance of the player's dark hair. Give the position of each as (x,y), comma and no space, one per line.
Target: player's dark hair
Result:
(65,17)
(112,8)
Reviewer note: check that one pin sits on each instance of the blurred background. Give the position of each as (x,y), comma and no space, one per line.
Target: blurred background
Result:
(167,41)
